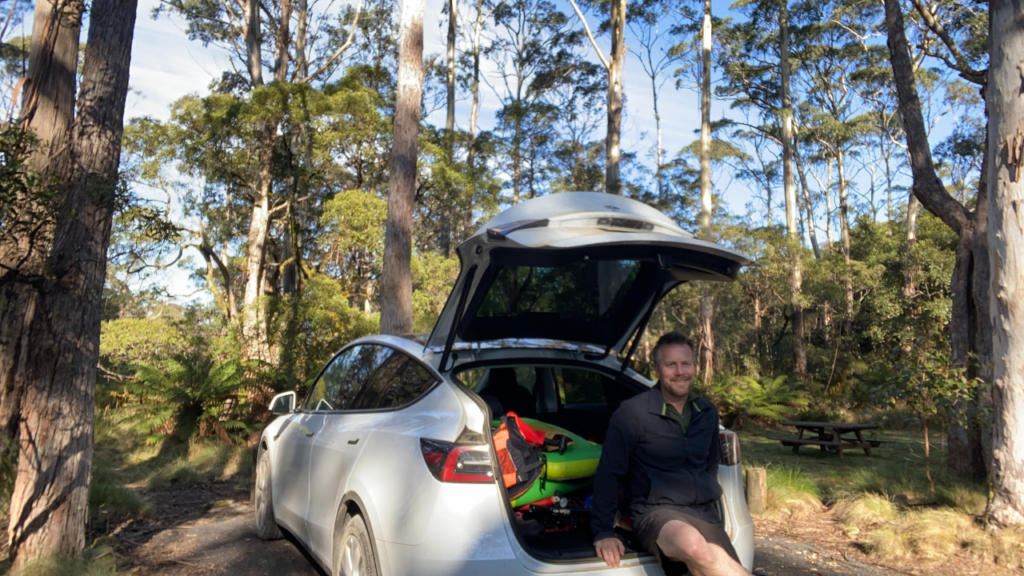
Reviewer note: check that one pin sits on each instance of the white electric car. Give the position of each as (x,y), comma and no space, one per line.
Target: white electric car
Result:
(388,467)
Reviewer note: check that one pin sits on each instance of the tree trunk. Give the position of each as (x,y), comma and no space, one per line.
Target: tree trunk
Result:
(844,233)
(50,504)
(910,272)
(453,7)
(282,40)
(474,113)
(301,39)
(396,281)
(255,344)
(1006,243)
(705,125)
(808,206)
(707,303)
(254,54)
(657,128)
(616,60)
(49,113)
(792,207)
(970,324)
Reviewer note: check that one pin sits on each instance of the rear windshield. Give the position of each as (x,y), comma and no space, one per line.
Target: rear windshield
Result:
(594,301)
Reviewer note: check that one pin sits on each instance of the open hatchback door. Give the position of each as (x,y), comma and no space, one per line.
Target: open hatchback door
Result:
(580,267)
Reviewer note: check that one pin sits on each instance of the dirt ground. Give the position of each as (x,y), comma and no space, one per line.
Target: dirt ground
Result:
(202,530)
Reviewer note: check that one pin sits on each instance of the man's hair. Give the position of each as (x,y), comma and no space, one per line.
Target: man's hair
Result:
(668,339)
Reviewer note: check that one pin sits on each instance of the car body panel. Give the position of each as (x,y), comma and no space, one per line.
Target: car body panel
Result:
(291,461)
(335,451)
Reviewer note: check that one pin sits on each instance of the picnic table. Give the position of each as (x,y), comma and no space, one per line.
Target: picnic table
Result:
(830,436)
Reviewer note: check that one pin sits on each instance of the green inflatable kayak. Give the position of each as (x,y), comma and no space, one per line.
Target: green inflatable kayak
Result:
(536,493)
(580,458)
(565,472)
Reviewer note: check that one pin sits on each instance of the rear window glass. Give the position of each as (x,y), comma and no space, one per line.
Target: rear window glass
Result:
(593,300)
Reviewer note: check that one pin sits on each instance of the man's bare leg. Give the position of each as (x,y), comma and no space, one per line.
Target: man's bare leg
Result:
(680,541)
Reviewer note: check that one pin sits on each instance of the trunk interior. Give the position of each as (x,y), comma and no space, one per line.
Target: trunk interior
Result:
(552,517)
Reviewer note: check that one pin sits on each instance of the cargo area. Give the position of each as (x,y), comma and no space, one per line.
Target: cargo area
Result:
(571,405)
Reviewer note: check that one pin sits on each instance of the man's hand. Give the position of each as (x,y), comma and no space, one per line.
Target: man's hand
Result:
(610,549)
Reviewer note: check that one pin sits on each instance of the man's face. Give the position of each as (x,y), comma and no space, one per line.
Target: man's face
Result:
(675,369)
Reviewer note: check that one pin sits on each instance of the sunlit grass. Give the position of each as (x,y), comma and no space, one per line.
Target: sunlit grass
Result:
(884,501)
(96,561)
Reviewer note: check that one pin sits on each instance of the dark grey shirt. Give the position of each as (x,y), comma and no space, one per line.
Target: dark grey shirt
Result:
(656,463)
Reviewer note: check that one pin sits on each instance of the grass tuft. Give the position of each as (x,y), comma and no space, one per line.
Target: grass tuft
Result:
(791,492)
(858,514)
(98,561)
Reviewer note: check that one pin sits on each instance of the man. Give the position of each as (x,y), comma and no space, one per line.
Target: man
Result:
(663,447)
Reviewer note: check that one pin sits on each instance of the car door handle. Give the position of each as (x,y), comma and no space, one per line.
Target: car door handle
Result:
(356,441)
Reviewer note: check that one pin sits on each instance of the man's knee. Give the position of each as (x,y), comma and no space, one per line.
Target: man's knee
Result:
(684,543)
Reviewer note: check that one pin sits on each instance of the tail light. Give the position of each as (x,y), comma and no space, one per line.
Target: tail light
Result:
(453,463)
(730,448)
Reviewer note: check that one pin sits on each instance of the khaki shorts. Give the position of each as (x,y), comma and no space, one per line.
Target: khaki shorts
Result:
(648,527)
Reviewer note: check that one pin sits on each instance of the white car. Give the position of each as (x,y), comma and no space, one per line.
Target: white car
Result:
(388,467)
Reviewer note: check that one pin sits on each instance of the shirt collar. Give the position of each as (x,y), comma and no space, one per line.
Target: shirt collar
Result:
(657,404)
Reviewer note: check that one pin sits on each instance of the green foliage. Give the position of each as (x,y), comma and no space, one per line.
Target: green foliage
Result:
(433,277)
(743,397)
(187,377)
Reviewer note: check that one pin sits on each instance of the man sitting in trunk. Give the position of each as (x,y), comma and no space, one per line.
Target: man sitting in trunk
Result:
(663,448)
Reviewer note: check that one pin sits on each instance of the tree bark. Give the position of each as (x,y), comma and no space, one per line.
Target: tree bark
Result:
(808,205)
(792,206)
(844,234)
(616,59)
(282,40)
(50,504)
(707,303)
(48,112)
(474,113)
(970,324)
(453,7)
(1006,242)
(253,51)
(396,282)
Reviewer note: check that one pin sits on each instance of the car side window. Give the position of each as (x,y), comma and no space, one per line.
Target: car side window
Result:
(397,382)
(340,383)
(321,395)
(579,386)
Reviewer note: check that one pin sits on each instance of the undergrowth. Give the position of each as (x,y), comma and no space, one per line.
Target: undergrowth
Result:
(96,561)
(884,501)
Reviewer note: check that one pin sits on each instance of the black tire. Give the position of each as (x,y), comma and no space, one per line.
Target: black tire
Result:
(353,554)
(263,501)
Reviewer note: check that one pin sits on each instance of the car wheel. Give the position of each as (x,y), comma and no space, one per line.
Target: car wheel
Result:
(263,501)
(353,555)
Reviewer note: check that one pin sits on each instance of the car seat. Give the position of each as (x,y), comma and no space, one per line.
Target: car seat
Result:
(503,387)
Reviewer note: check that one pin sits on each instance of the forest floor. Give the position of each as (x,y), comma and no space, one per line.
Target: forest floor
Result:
(187,513)
(208,530)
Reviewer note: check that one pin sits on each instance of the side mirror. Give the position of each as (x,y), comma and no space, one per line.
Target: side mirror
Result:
(283,403)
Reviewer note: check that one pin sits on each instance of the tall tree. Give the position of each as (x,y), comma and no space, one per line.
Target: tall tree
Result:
(48,112)
(707,303)
(1006,242)
(396,283)
(50,503)
(792,207)
(614,64)
(970,323)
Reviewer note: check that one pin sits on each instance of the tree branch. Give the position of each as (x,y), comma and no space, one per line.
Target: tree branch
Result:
(927,186)
(337,53)
(590,35)
(978,77)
